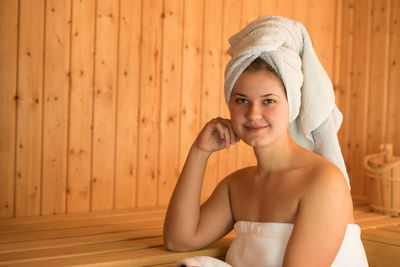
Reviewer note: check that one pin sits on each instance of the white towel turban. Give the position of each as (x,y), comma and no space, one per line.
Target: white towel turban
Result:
(285,45)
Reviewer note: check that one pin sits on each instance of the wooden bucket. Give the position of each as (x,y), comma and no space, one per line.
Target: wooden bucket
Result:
(383,174)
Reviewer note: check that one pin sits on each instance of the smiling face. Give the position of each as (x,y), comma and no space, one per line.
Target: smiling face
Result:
(259,108)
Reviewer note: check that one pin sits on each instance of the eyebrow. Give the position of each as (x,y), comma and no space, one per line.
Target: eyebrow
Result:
(242,95)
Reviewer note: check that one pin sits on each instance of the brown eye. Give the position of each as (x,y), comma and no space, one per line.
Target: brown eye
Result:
(269,101)
(241,101)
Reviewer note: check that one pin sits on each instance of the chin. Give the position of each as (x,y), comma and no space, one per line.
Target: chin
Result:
(256,142)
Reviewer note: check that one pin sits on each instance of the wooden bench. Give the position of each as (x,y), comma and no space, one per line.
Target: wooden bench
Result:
(134,238)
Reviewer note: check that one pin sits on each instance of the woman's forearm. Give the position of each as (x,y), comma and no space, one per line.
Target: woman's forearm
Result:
(183,213)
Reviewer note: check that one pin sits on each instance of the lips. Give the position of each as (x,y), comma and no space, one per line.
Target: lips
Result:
(255,128)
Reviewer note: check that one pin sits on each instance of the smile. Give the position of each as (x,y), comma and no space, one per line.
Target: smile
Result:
(255,128)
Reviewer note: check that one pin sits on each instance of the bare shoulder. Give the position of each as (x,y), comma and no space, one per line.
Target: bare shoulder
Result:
(324,177)
(326,185)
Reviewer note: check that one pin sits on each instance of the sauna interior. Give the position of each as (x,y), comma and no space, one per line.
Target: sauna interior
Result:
(101,100)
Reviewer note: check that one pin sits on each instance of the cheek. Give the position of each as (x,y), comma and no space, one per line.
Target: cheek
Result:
(278,115)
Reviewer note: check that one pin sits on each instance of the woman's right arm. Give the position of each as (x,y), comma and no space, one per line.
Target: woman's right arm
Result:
(187,225)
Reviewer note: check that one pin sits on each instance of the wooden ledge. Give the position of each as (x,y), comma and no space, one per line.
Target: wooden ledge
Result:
(134,238)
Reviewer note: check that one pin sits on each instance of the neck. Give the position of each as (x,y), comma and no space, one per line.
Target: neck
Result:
(276,156)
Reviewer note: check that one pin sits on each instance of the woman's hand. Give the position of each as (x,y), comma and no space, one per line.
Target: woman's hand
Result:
(217,134)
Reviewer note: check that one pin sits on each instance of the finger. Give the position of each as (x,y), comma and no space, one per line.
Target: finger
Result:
(233,137)
(220,128)
(227,138)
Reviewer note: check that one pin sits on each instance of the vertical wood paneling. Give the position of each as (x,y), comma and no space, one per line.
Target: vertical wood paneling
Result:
(378,75)
(105,90)
(268,7)
(393,135)
(149,105)
(320,26)
(191,76)
(344,85)
(81,106)
(109,95)
(55,107)
(285,8)
(29,108)
(359,95)
(8,91)
(170,99)
(211,76)
(127,103)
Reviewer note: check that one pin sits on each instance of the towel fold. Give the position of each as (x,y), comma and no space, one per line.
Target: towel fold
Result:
(285,45)
(202,261)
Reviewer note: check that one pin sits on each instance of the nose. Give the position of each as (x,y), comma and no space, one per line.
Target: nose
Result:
(254,112)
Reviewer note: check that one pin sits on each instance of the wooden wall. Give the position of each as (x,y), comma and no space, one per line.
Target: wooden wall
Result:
(368,80)
(100,100)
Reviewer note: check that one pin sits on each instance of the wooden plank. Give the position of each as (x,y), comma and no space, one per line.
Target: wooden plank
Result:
(371,224)
(145,257)
(393,228)
(170,99)
(55,107)
(250,11)
(80,231)
(231,25)
(81,106)
(8,92)
(379,254)
(343,89)
(77,251)
(79,240)
(302,11)
(104,110)
(268,7)
(88,221)
(378,93)
(128,98)
(321,27)
(149,104)
(359,96)
(368,216)
(191,76)
(337,48)
(393,126)
(211,76)
(285,8)
(139,212)
(29,108)
(382,236)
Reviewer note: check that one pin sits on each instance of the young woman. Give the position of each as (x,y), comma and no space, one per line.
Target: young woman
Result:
(293,209)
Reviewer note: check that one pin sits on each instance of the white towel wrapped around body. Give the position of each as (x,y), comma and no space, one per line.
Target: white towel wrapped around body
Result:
(264,244)
(285,45)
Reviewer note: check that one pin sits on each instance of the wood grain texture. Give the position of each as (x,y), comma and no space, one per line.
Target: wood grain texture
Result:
(29,108)
(192,64)
(127,104)
(8,100)
(393,115)
(359,94)
(378,93)
(149,103)
(55,107)
(101,100)
(81,106)
(104,104)
(171,88)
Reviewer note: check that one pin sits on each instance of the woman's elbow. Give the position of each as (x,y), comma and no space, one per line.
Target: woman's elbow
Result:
(178,245)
